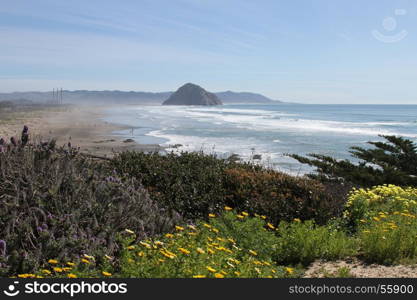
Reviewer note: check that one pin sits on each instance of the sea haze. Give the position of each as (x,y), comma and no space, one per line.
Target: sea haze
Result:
(268,130)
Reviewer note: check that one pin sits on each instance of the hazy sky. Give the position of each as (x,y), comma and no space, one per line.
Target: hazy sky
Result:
(317,51)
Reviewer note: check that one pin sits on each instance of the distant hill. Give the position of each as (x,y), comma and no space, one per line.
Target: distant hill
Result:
(192,94)
(92,97)
(243,97)
(128,97)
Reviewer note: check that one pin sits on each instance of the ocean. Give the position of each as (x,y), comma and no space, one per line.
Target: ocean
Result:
(268,131)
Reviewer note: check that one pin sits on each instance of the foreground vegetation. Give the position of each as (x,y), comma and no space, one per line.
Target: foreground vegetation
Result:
(63,214)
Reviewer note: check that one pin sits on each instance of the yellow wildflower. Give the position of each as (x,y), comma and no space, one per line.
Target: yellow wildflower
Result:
(210,269)
(179,228)
(129,231)
(107,274)
(270,226)
(53,261)
(183,250)
(71,275)
(168,254)
(71,264)
(201,251)
(244,214)
(219,275)
(253,252)
(289,270)
(169,235)
(146,245)
(199,276)
(192,227)
(228,208)
(45,271)
(212,215)
(56,269)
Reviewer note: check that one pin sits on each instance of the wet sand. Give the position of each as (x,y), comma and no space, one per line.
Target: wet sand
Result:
(81,126)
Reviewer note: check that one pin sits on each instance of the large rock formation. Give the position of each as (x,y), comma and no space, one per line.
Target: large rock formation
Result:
(192,94)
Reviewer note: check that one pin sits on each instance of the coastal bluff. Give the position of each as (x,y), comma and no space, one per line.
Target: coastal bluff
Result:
(192,94)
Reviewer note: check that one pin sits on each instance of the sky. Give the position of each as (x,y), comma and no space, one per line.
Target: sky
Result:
(317,51)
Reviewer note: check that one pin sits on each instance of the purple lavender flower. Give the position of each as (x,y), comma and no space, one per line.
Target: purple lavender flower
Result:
(2,248)
(25,135)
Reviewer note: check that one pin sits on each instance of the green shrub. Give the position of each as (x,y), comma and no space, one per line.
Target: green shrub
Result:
(304,242)
(363,204)
(248,232)
(190,183)
(202,250)
(56,203)
(389,238)
(280,196)
(196,185)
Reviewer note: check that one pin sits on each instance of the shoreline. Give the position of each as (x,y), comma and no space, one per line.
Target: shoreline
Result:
(82,126)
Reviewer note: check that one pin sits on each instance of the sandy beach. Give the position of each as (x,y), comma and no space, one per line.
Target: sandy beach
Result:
(82,126)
